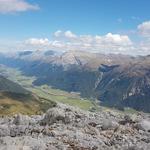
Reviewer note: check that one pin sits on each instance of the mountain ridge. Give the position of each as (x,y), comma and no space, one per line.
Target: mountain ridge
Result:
(116,80)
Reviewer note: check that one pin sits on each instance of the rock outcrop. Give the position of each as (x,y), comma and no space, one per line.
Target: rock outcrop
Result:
(67,128)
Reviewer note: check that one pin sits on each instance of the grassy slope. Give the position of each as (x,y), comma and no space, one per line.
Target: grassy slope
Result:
(13,106)
(13,103)
(67,98)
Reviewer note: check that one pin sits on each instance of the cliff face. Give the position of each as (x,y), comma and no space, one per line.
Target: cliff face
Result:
(126,86)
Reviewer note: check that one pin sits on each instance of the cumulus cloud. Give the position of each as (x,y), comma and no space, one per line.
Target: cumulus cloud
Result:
(67,34)
(108,38)
(58,33)
(11,6)
(67,40)
(117,39)
(144,29)
(35,41)
(108,43)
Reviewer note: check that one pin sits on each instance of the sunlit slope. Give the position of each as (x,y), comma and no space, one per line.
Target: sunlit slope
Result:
(15,99)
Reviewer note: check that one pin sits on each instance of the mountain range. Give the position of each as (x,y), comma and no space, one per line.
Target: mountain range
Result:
(116,80)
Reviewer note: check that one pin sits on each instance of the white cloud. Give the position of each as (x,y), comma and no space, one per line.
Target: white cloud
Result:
(144,46)
(109,43)
(10,6)
(57,44)
(117,39)
(58,33)
(69,34)
(86,38)
(36,42)
(144,29)
(108,38)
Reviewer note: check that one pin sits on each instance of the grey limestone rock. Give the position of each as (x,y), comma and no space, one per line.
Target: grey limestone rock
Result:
(68,128)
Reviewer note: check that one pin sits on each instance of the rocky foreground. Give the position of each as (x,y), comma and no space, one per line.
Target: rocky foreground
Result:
(67,128)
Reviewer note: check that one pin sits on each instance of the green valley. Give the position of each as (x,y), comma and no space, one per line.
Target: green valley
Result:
(46,93)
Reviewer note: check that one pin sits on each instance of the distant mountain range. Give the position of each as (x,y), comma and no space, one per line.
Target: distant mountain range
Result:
(116,80)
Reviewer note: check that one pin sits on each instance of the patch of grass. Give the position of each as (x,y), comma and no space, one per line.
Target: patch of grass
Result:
(10,106)
(130,111)
(63,97)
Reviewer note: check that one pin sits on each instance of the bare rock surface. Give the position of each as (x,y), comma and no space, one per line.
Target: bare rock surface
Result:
(67,128)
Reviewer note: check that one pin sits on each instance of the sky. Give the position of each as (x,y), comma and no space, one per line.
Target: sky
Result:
(105,26)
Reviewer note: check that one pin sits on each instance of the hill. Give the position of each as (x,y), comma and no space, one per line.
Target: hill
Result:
(9,86)
(15,99)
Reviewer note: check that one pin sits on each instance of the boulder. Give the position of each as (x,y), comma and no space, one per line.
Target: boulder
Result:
(109,124)
(57,114)
(21,120)
(144,125)
(4,130)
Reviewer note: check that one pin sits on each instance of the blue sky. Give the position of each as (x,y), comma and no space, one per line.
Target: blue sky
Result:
(23,20)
